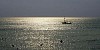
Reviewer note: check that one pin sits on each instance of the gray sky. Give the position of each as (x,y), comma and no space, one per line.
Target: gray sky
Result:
(50,8)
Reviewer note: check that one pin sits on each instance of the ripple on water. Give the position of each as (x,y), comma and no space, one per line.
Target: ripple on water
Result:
(31,34)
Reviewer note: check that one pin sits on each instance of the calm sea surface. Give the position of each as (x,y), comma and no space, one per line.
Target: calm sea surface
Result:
(45,33)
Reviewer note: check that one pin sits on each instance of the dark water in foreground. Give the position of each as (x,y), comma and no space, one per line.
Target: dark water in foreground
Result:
(31,33)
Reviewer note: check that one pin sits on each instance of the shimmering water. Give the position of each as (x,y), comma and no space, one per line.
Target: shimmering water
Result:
(45,33)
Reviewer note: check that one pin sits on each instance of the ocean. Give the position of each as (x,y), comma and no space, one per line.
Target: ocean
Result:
(48,33)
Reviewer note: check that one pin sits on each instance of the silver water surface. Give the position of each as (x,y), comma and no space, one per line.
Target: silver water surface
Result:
(45,33)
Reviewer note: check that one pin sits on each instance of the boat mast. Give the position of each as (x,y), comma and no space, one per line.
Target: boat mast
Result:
(64,19)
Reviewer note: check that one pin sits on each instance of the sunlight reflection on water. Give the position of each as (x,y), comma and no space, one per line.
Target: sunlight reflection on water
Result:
(38,33)
(42,23)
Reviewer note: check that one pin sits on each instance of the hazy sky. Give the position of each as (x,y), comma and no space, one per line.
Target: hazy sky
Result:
(50,8)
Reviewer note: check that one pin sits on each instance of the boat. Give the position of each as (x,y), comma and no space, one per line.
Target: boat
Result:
(64,22)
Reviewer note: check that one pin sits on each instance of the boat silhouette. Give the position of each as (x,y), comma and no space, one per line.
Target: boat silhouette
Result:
(64,22)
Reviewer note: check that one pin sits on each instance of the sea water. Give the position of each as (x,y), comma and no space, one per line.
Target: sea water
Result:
(48,33)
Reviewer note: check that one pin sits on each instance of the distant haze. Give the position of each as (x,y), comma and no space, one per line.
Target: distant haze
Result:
(89,8)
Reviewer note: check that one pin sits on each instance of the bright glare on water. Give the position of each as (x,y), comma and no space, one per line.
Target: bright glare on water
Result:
(48,33)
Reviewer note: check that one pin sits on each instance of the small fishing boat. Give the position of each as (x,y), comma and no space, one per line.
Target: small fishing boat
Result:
(64,22)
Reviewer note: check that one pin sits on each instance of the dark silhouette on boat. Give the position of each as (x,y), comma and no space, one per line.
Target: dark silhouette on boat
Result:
(64,22)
